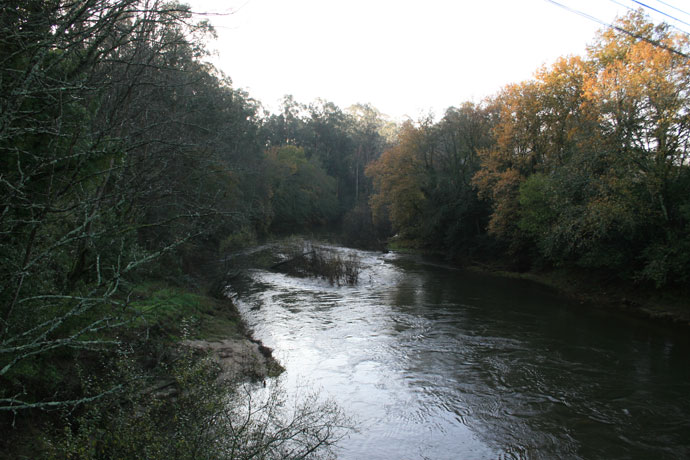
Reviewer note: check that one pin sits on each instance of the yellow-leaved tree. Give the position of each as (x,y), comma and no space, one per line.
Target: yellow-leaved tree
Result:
(537,131)
(397,176)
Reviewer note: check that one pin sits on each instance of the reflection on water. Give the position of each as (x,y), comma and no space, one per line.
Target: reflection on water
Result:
(441,364)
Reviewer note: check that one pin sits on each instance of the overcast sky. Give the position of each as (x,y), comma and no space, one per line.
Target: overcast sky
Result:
(404,57)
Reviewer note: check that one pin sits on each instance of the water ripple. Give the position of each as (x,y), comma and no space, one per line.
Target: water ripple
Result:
(437,363)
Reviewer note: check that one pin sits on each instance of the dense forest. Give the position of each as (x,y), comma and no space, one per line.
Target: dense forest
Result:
(126,159)
(585,165)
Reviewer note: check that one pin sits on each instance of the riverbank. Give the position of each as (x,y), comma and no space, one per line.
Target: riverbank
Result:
(181,352)
(601,291)
(598,290)
(208,324)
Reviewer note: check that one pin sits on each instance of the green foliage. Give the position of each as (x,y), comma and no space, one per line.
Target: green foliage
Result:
(398,177)
(165,305)
(191,415)
(455,217)
(536,208)
(140,422)
(589,158)
(359,229)
(423,185)
(124,156)
(583,166)
(302,192)
(241,238)
(167,309)
(340,142)
(118,148)
(667,262)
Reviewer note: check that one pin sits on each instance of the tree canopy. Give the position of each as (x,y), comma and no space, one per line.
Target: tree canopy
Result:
(585,165)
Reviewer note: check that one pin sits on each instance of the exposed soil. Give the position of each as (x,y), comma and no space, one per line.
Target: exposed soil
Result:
(239,358)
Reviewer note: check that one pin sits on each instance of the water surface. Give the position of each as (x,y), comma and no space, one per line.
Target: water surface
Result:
(437,363)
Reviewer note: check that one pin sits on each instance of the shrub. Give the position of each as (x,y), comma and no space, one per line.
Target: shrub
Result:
(325,263)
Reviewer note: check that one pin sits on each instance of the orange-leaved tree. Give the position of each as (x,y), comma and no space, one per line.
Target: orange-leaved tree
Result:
(537,130)
(398,180)
(639,102)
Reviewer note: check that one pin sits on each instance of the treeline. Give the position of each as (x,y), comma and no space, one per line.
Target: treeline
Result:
(122,155)
(320,145)
(584,166)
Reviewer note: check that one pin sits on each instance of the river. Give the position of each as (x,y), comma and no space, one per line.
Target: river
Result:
(437,363)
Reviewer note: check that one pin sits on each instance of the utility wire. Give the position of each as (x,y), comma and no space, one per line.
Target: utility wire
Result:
(629,8)
(619,29)
(671,6)
(658,1)
(660,12)
(624,6)
(580,13)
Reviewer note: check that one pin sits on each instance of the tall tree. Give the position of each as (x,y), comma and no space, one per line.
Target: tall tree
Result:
(639,100)
(456,217)
(302,193)
(536,131)
(398,177)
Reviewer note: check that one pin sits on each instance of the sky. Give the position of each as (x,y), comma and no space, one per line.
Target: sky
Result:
(406,58)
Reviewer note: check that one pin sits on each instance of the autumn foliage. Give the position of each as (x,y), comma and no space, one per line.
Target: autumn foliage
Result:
(585,165)
(397,177)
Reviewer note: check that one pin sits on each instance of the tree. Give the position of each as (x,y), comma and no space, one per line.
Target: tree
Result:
(207,419)
(455,217)
(367,128)
(639,101)
(591,156)
(327,140)
(398,177)
(302,192)
(538,130)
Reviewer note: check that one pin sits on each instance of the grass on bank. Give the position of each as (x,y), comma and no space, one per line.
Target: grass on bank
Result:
(164,307)
(159,315)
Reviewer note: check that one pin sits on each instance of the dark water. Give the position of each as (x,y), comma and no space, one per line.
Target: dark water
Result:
(437,363)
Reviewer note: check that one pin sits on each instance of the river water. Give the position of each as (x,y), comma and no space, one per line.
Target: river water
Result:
(434,362)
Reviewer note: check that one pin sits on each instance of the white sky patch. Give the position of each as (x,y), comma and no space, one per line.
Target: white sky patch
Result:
(404,57)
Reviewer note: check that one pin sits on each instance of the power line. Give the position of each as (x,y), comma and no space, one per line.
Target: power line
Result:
(633,9)
(658,1)
(620,29)
(660,12)
(624,6)
(671,6)
(580,13)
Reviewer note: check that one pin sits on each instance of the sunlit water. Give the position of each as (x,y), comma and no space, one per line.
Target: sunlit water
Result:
(438,363)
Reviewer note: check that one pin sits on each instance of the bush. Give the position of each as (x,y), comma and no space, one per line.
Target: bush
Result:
(323,263)
(191,415)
